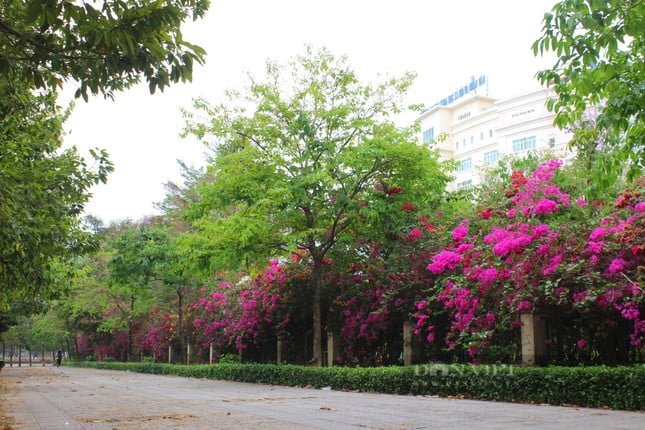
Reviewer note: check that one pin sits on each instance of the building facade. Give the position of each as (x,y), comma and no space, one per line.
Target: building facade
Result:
(476,131)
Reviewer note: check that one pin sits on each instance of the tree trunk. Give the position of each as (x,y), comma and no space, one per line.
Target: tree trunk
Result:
(317,281)
(130,339)
(180,323)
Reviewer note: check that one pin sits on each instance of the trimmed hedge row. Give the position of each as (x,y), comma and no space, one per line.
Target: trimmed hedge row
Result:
(598,386)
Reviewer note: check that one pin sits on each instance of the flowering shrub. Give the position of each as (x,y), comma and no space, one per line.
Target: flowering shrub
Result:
(553,256)
(378,291)
(159,335)
(247,314)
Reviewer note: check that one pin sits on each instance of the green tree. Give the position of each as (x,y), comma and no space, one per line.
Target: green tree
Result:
(89,306)
(311,161)
(600,46)
(103,46)
(136,253)
(43,190)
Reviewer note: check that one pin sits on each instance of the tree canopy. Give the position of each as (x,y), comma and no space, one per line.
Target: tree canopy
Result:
(103,46)
(43,190)
(600,48)
(317,156)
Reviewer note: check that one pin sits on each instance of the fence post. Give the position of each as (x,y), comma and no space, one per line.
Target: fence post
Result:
(279,351)
(332,348)
(408,350)
(188,353)
(210,353)
(169,354)
(533,334)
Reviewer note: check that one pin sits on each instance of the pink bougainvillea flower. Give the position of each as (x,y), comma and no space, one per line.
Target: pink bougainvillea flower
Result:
(617,265)
(595,247)
(545,207)
(598,234)
(395,190)
(581,344)
(579,297)
(415,234)
(473,350)
(524,305)
(540,230)
(486,278)
(460,232)
(407,207)
(444,260)
(464,247)
(543,249)
(553,265)
(429,228)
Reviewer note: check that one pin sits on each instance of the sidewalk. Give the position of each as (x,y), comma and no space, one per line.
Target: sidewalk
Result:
(68,398)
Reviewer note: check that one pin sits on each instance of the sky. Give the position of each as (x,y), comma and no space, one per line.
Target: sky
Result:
(444,42)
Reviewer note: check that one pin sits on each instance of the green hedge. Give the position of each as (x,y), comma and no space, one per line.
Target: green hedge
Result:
(598,386)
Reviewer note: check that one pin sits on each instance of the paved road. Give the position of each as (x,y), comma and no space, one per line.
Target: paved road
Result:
(68,398)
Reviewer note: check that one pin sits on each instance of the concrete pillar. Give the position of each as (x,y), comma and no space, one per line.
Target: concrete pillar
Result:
(533,334)
(408,350)
(279,346)
(333,347)
(188,353)
(210,353)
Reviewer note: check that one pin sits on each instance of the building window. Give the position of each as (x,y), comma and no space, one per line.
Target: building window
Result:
(490,133)
(472,140)
(463,116)
(551,142)
(524,144)
(481,136)
(465,185)
(457,145)
(428,135)
(491,156)
(526,112)
(465,165)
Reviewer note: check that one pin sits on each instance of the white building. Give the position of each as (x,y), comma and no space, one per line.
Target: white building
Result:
(477,130)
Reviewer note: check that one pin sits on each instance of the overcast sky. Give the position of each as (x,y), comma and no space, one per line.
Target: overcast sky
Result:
(444,42)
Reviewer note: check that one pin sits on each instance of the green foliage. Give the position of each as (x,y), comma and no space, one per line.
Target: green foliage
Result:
(311,153)
(229,358)
(85,308)
(613,387)
(43,190)
(103,46)
(600,46)
(36,332)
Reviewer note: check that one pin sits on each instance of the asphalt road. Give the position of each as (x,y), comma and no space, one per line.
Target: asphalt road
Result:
(68,398)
